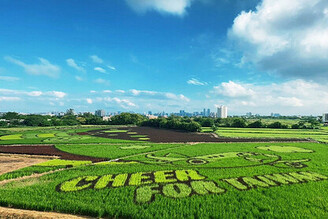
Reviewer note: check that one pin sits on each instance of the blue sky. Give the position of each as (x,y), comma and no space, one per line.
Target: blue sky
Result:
(254,56)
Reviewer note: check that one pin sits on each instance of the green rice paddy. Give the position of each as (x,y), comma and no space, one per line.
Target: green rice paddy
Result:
(141,179)
(315,134)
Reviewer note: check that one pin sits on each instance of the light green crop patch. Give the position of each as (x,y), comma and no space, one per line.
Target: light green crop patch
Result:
(58,162)
(134,147)
(115,131)
(11,137)
(144,139)
(138,136)
(46,135)
(285,149)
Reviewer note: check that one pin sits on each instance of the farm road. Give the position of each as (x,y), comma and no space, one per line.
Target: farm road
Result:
(9,213)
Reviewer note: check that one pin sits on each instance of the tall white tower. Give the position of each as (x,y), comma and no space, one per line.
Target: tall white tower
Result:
(325,117)
(222,112)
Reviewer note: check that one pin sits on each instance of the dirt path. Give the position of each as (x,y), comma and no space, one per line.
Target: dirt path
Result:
(11,213)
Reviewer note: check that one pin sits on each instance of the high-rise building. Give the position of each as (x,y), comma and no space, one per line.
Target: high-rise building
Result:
(208,112)
(222,112)
(325,118)
(100,113)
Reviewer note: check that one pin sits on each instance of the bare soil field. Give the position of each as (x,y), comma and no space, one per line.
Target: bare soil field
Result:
(49,150)
(11,162)
(10,213)
(169,136)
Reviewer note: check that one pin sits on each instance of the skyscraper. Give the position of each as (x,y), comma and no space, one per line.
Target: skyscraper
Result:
(222,112)
(325,118)
(100,113)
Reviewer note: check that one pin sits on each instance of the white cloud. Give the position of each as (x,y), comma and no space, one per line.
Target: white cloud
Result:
(176,7)
(96,59)
(107,91)
(72,63)
(57,94)
(124,103)
(291,97)
(158,95)
(101,81)
(8,78)
(43,68)
(194,81)
(142,92)
(35,93)
(184,98)
(93,91)
(120,91)
(285,37)
(10,98)
(232,89)
(100,69)
(111,67)
(89,101)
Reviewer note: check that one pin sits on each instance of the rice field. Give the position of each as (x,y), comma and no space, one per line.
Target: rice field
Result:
(143,179)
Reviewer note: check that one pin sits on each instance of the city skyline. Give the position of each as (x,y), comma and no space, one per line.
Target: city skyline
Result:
(138,56)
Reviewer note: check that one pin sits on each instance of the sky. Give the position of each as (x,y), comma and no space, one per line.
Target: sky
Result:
(258,56)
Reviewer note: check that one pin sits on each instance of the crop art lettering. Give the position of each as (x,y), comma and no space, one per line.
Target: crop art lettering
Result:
(182,183)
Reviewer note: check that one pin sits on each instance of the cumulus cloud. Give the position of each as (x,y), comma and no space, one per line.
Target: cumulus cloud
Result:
(8,78)
(96,59)
(194,81)
(57,94)
(291,97)
(124,103)
(72,63)
(43,68)
(175,7)
(233,89)
(285,37)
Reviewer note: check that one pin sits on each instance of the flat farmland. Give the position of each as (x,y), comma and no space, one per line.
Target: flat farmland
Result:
(120,178)
(315,134)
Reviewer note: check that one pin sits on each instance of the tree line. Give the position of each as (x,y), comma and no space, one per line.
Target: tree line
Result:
(12,119)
